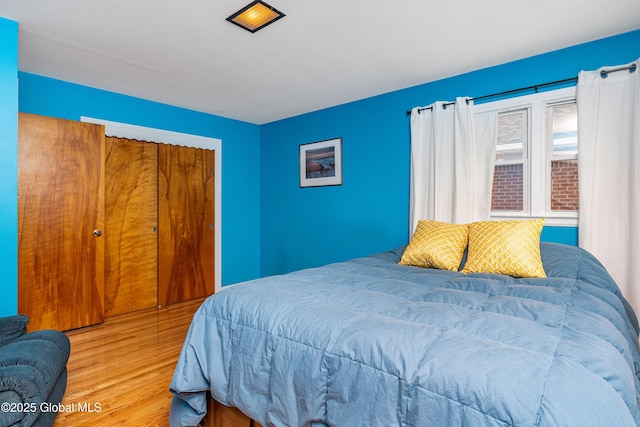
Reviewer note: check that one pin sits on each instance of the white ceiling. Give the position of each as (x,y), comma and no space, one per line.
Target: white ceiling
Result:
(323,53)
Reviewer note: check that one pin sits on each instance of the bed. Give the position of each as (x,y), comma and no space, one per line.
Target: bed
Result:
(369,342)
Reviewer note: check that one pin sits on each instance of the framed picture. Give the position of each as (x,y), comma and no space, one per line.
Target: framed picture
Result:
(321,163)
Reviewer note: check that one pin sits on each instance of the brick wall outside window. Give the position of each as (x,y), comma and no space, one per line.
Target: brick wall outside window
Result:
(508,188)
(564,185)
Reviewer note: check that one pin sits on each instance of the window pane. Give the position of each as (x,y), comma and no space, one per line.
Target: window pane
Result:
(564,185)
(564,129)
(512,132)
(564,163)
(508,178)
(508,188)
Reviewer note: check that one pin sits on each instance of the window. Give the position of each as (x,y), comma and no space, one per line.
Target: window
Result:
(536,170)
(511,152)
(563,156)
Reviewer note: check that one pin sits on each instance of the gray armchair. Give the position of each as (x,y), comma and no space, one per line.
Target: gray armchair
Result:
(33,373)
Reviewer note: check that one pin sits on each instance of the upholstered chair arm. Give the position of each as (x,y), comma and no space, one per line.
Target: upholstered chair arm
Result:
(12,327)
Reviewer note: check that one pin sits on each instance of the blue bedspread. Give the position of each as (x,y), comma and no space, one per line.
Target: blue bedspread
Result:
(371,343)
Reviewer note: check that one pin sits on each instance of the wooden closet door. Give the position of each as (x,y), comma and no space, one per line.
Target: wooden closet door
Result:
(131,245)
(60,204)
(185,233)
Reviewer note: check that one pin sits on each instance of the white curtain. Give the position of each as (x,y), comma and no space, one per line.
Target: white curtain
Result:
(609,173)
(452,163)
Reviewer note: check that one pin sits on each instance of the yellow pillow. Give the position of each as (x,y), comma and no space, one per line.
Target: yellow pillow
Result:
(505,247)
(436,245)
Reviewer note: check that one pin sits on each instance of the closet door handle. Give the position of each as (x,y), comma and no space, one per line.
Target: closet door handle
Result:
(97,233)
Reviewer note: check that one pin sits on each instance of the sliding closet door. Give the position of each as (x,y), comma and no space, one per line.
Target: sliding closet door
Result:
(131,193)
(185,214)
(60,219)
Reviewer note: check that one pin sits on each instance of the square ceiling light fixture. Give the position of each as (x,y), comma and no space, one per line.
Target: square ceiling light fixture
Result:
(255,16)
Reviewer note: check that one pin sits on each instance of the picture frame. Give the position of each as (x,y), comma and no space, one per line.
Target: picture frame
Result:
(321,163)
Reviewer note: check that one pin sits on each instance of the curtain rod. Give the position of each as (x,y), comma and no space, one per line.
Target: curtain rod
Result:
(604,73)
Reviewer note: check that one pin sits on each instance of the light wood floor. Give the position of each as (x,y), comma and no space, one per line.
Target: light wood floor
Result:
(123,368)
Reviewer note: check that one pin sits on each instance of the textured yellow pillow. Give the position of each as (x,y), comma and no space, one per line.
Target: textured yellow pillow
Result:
(505,247)
(436,245)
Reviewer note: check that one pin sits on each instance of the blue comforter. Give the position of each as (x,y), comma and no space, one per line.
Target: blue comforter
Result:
(371,343)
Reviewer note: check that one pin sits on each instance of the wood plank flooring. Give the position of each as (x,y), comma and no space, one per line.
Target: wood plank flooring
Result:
(122,368)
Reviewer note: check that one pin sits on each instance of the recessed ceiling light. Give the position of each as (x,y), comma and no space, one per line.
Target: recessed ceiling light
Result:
(255,16)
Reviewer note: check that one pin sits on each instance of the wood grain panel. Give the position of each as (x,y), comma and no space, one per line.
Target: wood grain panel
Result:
(185,216)
(61,202)
(131,212)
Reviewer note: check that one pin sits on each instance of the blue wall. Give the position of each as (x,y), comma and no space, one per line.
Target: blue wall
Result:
(270,224)
(304,227)
(8,167)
